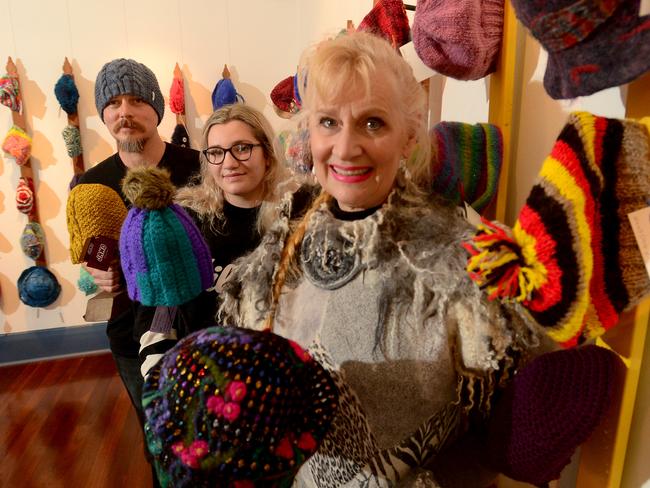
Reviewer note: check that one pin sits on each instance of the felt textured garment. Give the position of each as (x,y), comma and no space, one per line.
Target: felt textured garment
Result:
(397,364)
(571,258)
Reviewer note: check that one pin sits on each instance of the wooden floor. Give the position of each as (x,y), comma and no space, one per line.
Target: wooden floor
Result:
(69,423)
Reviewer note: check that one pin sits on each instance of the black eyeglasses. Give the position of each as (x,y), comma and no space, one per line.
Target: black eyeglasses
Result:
(241,152)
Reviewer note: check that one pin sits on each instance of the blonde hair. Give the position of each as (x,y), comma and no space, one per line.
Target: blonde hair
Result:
(206,198)
(350,64)
(331,71)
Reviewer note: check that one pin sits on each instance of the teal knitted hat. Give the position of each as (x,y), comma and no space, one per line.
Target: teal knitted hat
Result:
(164,258)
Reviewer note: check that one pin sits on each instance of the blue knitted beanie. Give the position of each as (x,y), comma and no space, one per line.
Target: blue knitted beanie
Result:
(164,257)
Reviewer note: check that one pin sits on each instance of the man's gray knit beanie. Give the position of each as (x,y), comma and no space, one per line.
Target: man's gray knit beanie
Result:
(127,77)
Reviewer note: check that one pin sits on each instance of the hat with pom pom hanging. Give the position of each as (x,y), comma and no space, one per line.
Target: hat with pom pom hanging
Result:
(67,94)
(18,144)
(164,257)
(571,258)
(25,195)
(224,92)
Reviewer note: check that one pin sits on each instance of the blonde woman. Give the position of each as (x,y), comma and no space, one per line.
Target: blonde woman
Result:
(233,203)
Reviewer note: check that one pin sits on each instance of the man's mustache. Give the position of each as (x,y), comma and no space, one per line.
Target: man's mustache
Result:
(128,124)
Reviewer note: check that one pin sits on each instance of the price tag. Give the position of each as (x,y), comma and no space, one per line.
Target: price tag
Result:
(640,222)
(644,8)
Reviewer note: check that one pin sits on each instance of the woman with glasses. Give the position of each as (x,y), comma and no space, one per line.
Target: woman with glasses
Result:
(233,203)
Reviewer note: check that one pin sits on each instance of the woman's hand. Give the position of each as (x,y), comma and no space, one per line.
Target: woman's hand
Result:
(109,280)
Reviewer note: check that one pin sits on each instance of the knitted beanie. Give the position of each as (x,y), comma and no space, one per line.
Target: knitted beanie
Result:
(128,77)
(284,96)
(18,144)
(224,93)
(572,259)
(592,45)
(388,19)
(38,287)
(67,94)
(92,210)
(163,255)
(177,96)
(25,195)
(467,162)
(551,407)
(234,407)
(459,38)
(32,240)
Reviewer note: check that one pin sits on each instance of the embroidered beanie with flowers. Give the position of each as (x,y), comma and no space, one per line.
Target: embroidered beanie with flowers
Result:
(233,407)
(571,258)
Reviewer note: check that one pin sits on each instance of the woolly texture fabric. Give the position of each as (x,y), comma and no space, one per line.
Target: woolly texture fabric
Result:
(229,405)
(180,137)
(18,144)
(67,94)
(92,210)
(550,408)
(164,257)
(25,195)
(10,93)
(128,77)
(388,19)
(467,162)
(32,240)
(572,259)
(224,93)
(459,38)
(284,96)
(86,282)
(177,96)
(592,45)
(38,287)
(72,139)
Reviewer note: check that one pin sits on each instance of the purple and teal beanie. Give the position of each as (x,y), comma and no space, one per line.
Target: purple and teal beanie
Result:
(233,407)
(164,257)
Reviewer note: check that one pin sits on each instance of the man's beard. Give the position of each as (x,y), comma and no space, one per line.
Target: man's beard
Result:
(132,145)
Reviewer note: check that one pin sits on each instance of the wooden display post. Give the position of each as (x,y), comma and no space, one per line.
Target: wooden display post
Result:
(26,169)
(73,119)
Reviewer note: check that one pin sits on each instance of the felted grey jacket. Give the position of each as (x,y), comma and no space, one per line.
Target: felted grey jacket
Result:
(386,305)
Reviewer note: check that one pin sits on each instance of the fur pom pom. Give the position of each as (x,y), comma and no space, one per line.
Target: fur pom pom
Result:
(148,188)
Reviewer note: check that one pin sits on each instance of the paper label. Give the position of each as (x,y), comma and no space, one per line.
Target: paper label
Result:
(100,252)
(420,70)
(644,8)
(640,222)
(471,215)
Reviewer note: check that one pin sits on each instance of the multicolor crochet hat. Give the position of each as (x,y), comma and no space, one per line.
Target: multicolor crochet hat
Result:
(32,240)
(592,45)
(388,19)
(232,407)
(38,287)
(92,210)
(10,92)
(18,144)
(551,407)
(25,195)
(163,255)
(467,162)
(571,258)
(459,38)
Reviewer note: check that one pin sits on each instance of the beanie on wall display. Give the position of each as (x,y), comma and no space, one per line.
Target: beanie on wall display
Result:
(591,45)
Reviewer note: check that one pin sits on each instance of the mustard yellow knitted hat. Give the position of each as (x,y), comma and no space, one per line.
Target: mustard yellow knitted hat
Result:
(93,210)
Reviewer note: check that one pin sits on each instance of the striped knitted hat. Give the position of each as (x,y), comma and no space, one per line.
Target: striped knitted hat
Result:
(92,210)
(467,162)
(164,258)
(25,195)
(233,407)
(571,258)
